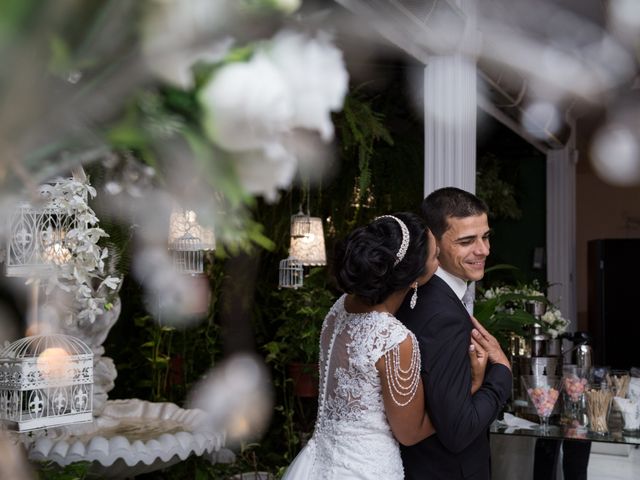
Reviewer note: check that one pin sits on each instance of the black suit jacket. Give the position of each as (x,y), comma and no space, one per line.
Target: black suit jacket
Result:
(460,447)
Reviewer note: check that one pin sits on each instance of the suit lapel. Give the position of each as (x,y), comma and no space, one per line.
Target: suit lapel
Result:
(447,290)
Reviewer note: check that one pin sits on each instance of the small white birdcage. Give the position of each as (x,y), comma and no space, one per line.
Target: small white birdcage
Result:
(187,255)
(46,381)
(188,240)
(300,225)
(291,273)
(37,237)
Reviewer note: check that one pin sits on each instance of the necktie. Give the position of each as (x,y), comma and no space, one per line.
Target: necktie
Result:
(469,296)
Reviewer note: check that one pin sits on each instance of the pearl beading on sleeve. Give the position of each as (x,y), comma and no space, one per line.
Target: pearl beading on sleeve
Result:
(403,383)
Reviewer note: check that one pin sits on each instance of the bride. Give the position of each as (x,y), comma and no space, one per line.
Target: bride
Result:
(371,392)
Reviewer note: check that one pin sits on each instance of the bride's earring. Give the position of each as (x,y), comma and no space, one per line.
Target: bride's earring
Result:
(414,297)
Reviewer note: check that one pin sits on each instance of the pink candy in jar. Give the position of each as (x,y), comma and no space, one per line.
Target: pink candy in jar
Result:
(574,386)
(544,399)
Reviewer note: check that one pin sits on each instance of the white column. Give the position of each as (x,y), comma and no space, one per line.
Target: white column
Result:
(450,109)
(561,230)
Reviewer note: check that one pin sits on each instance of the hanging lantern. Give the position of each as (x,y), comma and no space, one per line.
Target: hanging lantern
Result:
(46,381)
(291,273)
(188,240)
(309,249)
(300,225)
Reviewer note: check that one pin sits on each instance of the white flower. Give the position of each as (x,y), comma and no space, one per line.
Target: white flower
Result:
(177,33)
(263,172)
(258,109)
(489,293)
(247,105)
(317,78)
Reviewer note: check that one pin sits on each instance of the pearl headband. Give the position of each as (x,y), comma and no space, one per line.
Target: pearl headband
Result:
(405,238)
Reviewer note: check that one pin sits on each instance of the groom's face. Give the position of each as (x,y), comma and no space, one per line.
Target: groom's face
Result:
(464,247)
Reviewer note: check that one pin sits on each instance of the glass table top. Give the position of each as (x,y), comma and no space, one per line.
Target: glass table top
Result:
(566,432)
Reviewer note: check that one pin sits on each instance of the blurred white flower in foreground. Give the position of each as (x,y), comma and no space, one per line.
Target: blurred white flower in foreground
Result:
(173,298)
(615,155)
(316,79)
(247,105)
(625,16)
(293,82)
(541,118)
(177,34)
(237,397)
(273,167)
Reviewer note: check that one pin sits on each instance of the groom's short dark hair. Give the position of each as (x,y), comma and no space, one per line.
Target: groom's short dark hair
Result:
(448,202)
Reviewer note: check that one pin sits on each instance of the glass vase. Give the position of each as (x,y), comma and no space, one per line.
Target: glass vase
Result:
(543,392)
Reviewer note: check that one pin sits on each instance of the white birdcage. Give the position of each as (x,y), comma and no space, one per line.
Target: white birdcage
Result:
(46,381)
(187,256)
(300,224)
(291,273)
(188,240)
(37,237)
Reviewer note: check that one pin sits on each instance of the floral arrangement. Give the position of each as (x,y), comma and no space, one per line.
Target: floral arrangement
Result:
(80,272)
(233,114)
(263,105)
(502,309)
(553,322)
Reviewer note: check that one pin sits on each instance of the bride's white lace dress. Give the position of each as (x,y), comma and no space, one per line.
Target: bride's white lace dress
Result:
(352,438)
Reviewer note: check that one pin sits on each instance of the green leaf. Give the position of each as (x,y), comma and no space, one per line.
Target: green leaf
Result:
(500,266)
(60,61)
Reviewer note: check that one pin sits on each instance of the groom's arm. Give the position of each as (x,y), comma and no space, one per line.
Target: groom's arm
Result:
(458,416)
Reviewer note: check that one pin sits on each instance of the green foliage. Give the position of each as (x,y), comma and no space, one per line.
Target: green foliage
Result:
(502,309)
(73,471)
(501,317)
(157,352)
(299,320)
(159,361)
(360,130)
(498,194)
(248,459)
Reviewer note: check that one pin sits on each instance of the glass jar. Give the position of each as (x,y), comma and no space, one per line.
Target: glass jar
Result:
(574,384)
(598,398)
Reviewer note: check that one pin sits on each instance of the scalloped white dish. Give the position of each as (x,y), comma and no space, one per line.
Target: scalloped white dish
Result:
(133,437)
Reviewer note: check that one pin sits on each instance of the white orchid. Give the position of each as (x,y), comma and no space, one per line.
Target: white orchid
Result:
(82,274)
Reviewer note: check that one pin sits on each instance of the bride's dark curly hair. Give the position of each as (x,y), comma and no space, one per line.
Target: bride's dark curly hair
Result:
(364,261)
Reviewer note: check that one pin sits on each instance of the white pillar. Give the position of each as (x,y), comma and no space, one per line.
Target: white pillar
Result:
(450,110)
(561,230)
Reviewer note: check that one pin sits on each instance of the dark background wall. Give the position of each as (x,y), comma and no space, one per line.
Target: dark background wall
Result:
(522,166)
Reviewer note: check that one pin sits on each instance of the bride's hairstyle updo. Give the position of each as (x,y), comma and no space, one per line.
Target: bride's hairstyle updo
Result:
(364,262)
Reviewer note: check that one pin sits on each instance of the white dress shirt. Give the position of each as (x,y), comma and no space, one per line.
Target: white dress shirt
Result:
(459,287)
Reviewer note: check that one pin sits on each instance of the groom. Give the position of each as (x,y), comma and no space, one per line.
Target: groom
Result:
(460,447)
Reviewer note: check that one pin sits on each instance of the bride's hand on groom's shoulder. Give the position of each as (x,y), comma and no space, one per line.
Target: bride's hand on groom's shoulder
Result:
(489,343)
(478,358)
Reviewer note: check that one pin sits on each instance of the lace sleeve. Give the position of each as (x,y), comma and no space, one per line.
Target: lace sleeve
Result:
(403,383)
